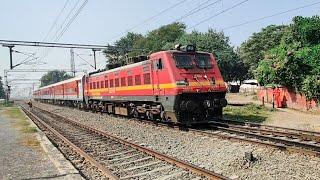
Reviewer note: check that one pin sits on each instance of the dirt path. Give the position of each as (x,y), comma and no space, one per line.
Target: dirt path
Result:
(282,117)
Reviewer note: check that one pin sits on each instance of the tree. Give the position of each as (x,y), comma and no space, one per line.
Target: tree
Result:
(253,50)
(231,66)
(295,63)
(52,77)
(157,39)
(2,94)
(122,47)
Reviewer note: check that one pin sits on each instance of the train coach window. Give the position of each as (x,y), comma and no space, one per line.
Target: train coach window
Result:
(94,85)
(106,83)
(102,84)
(116,81)
(90,85)
(137,80)
(203,61)
(123,81)
(98,85)
(146,78)
(130,82)
(111,83)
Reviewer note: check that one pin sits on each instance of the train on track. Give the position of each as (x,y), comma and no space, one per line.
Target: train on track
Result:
(183,86)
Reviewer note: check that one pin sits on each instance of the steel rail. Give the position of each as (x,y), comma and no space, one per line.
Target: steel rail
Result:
(103,170)
(181,164)
(271,131)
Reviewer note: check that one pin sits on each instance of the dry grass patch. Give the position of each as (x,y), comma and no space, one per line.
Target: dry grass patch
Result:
(21,123)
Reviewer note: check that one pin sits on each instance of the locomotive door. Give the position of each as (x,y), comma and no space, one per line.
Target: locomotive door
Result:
(157,73)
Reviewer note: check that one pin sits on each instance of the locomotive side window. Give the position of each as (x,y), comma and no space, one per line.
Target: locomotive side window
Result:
(203,61)
(146,78)
(123,81)
(159,64)
(116,81)
(98,85)
(183,61)
(106,83)
(102,84)
(130,82)
(90,85)
(137,79)
(111,83)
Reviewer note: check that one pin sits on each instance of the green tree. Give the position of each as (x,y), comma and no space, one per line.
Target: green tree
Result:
(119,52)
(157,39)
(53,77)
(295,63)
(2,94)
(231,66)
(253,49)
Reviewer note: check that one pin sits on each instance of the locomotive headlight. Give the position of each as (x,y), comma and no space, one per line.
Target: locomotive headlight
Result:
(182,83)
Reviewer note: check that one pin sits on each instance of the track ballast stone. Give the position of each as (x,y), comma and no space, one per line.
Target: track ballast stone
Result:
(221,156)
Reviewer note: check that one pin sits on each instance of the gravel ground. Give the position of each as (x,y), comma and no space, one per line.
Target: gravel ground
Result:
(19,161)
(221,156)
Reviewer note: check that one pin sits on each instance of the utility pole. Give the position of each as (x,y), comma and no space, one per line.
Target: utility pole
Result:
(10,46)
(94,58)
(72,63)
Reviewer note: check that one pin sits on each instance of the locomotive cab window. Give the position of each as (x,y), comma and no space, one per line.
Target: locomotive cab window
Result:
(158,64)
(203,61)
(183,61)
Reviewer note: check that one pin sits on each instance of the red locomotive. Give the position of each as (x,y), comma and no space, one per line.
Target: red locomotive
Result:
(183,86)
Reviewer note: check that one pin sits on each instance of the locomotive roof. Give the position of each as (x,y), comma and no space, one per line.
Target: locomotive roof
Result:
(63,82)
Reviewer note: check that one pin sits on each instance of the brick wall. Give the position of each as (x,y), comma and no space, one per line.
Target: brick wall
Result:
(288,99)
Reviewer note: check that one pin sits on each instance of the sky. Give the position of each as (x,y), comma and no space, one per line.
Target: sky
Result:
(105,21)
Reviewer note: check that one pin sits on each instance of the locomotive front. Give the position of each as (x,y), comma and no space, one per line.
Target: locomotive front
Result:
(200,89)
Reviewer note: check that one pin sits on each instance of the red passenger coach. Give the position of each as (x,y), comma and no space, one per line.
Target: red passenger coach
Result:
(183,86)
(65,92)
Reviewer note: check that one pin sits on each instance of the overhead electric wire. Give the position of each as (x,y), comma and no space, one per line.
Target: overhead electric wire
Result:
(65,20)
(272,15)
(197,9)
(56,20)
(83,59)
(150,18)
(219,13)
(72,19)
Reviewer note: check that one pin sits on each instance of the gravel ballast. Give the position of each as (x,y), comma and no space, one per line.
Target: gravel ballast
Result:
(221,156)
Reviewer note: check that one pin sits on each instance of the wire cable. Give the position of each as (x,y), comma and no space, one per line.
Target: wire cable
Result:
(150,18)
(72,19)
(56,20)
(272,15)
(219,13)
(197,9)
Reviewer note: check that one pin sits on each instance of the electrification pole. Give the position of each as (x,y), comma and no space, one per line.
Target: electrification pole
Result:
(10,46)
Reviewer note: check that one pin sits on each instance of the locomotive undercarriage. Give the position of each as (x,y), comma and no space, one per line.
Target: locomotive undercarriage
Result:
(188,109)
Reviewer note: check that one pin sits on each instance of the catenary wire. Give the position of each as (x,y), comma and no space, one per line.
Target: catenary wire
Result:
(272,15)
(219,13)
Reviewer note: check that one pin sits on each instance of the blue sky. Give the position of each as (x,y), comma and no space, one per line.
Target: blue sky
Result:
(101,22)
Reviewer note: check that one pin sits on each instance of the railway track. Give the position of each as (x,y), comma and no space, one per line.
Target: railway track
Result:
(110,157)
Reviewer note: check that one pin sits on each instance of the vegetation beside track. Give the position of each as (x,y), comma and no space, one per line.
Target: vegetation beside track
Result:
(251,113)
(21,123)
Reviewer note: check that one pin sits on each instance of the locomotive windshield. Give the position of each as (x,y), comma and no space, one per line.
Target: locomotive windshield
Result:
(183,61)
(203,61)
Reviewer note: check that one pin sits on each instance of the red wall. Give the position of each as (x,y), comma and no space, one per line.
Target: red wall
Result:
(288,99)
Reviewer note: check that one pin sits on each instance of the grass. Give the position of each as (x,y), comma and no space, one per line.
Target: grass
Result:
(250,112)
(20,122)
